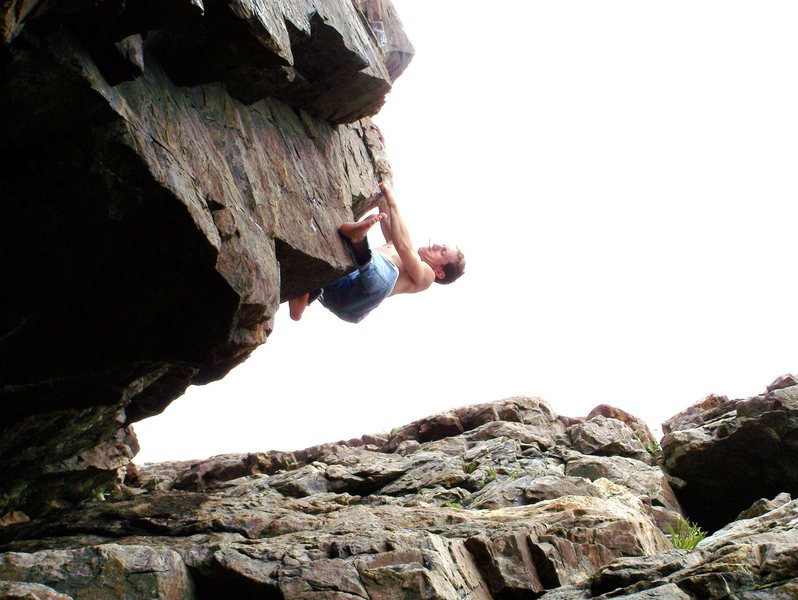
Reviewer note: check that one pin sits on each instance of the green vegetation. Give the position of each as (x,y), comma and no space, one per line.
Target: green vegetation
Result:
(456,505)
(492,472)
(469,467)
(686,535)
(153,483)
(653,448)
(99,493)
(289,464)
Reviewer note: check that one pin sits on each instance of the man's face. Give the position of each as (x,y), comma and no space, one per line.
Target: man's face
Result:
(437,255)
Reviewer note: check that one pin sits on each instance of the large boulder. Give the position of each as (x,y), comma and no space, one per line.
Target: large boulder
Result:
(172,172)
(729,453)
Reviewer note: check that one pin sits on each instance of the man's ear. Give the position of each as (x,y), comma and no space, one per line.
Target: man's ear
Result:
(439,273)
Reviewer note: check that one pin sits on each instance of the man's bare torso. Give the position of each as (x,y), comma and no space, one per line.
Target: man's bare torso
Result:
(404,284)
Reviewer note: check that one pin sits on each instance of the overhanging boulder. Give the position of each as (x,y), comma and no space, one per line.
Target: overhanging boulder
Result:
(175,170)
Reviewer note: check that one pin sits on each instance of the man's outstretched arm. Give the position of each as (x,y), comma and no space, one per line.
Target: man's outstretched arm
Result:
(420,272)
(385,224)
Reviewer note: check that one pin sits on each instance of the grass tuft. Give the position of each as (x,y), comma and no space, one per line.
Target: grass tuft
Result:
(686,535)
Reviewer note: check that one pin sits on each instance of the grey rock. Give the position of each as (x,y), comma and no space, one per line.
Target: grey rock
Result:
(642,479)
(669,591)
(529,490)
(763,505)
(305,481)
(14,590)
(607,437)
(467,515)
(110,570)
(730,453)
(506,508)
(641,430)
(749,558)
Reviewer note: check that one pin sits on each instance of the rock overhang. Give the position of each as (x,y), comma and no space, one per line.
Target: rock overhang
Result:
(175,170)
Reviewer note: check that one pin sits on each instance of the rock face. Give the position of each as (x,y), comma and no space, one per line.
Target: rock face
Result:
(172,171)
(732,452)
(499,500)
(487,501)
(753,558)
(492,501)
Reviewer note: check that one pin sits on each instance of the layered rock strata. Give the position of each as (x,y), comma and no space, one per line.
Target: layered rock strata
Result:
(172,171)
(489,501)
(753,558)
(499,500)
(729,453)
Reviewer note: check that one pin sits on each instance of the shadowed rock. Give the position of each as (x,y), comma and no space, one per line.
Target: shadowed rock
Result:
(172,172)
(729,453)
(753,558)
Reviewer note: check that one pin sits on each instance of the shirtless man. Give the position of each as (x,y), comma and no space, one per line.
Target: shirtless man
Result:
(395,268)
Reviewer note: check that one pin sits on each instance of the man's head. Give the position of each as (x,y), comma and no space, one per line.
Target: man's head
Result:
(447,262)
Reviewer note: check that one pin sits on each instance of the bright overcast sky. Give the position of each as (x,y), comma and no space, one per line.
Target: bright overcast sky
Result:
(622,179)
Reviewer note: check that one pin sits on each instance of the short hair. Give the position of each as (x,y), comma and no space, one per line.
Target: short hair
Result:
(453,270)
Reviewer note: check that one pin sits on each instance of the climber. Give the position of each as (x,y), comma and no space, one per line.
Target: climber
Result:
(395,268)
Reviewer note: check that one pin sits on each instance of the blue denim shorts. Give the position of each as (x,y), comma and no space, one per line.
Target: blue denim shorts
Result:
(356,294)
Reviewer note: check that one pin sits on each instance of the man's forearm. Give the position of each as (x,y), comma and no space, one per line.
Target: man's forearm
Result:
(385,224)
(400,236)
(419,272)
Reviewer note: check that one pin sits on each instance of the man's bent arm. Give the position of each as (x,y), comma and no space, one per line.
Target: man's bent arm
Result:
(385,224)
(419,271)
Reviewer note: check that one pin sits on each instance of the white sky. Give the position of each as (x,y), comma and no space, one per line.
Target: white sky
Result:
(622,178)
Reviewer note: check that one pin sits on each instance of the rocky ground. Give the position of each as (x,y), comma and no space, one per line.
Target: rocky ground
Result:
(499,500)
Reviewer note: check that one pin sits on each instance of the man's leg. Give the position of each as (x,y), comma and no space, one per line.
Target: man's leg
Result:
(297,306)
(356,233)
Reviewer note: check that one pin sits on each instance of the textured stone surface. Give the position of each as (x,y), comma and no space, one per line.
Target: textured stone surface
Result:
(103,571)
(487,501)
(172,172)
(729,453)
(320,56)
(15,590)
(747,559)
(461,504)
